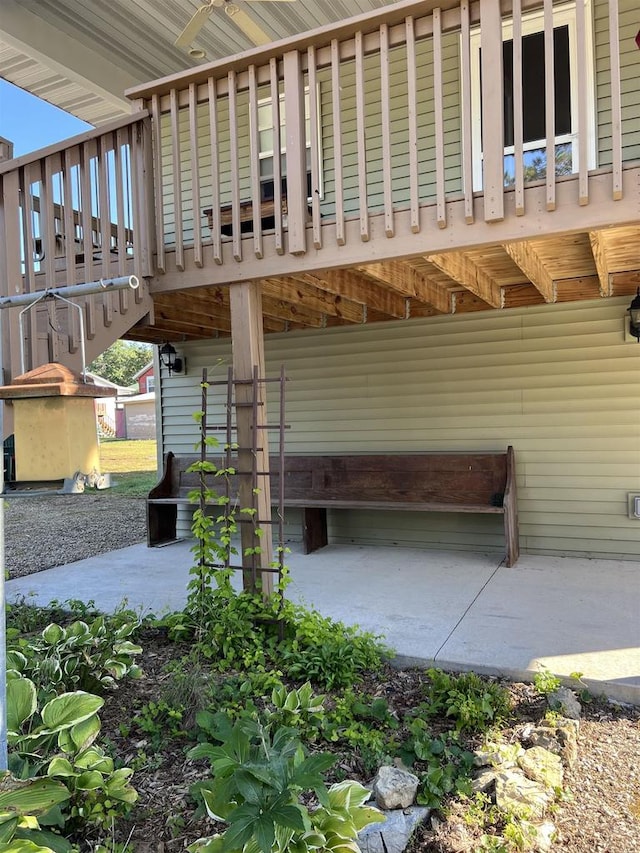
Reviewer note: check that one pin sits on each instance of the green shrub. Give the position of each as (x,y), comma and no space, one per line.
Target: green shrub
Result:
(473,703)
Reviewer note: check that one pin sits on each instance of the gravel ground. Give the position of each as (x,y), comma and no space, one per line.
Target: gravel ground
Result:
(41,532)
(603,814)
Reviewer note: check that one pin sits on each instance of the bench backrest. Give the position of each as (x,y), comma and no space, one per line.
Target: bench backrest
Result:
(463,479)
(439,478)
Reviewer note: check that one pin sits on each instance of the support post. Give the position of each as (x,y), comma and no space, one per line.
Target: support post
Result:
(247,341)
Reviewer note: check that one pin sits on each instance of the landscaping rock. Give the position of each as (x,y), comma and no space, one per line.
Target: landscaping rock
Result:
(565,701)
(393,834)
(521,796)
(394,788)
(545,834)
(542,766)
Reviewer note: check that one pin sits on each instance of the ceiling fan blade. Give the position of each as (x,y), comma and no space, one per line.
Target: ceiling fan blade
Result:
(197,22)
(248,26)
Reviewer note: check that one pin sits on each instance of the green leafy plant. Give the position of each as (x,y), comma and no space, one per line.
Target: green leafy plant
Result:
(258,778)
(546,682)
(160,720)
(442,764)
(58,742)
(300,707)
(362,724)
(81,656)
(471,702)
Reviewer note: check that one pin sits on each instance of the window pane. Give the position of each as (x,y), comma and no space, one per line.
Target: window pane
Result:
(535,164)
(533,83)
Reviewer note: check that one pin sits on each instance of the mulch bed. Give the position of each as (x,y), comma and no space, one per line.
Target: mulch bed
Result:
(600,815)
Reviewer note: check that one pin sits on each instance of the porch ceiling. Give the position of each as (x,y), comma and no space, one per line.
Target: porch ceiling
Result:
(82,54)
(583,266)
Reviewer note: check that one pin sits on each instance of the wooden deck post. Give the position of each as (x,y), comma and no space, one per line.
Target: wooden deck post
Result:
(247,343)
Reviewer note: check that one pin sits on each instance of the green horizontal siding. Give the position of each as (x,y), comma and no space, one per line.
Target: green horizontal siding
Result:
(557,382)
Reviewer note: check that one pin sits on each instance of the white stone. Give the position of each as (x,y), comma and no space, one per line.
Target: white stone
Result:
(564,700)
(542,766)
(394,788)
(393,834)
(521,796)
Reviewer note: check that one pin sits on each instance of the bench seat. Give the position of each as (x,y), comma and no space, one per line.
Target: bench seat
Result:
(482,483)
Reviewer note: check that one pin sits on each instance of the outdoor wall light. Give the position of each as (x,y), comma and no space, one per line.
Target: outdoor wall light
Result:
(634,316)
(171,360)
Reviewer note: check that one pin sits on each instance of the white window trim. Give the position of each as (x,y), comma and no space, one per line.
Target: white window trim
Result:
(533,22)
(150,380)
(263,155)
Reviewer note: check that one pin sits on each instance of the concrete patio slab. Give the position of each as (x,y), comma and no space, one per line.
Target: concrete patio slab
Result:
(563,614)
(458,610)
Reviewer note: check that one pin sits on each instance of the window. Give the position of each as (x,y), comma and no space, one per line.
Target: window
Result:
(265,136)
(533,96)
(151,385)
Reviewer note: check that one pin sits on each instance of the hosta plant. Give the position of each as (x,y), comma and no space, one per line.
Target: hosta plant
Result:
(82,656)
(58,742)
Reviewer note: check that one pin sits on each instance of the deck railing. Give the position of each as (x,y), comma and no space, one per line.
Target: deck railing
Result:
(76,212)
(383,121)
(371,130)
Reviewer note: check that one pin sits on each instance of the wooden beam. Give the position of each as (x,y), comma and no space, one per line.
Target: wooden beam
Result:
(599,252)
(313,297)
(247,342)
(527,258)
(356,287)
(283,310)
(214,303)
(411,282)
(464,271)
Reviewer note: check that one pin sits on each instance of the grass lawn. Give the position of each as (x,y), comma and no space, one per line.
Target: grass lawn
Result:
(132,464)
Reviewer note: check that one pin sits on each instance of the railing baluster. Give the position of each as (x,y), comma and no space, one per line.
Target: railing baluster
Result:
(47,222)
(157,164)
(254,148)
(86,219)
(616,108)
(235,167)
(29,244)
(361,137)
(467,151)
(215,171)
(583,157)
(314,116)
(337,141)
(412,107)
(385,108)
(86,209)
(492,115)
(518,117)
(550,104)
(277,148)
(441,204)
(11,240)
(69,242)
(176,166)
(121,230)
(69,234)
(195,175)
(104,220)
(296,153)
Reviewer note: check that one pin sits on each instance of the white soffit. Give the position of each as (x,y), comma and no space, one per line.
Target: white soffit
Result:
(82,54)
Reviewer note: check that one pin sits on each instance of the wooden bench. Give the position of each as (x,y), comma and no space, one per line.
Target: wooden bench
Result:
(425,482)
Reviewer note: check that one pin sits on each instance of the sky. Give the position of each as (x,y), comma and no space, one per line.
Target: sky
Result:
(31,123)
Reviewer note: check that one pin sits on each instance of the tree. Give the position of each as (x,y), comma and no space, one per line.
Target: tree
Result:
(122,361)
